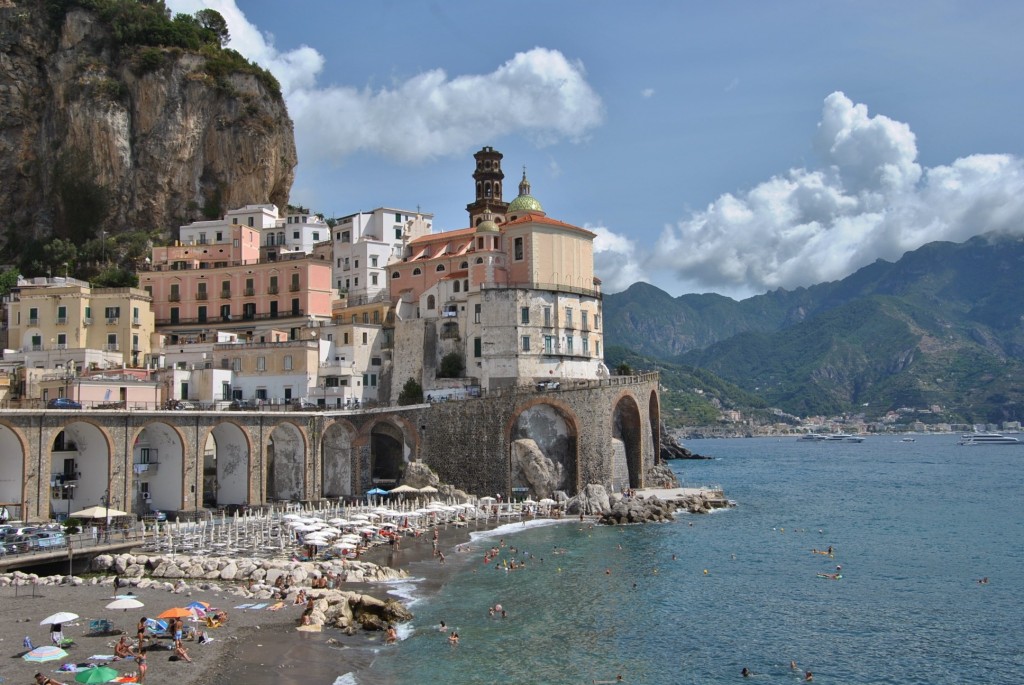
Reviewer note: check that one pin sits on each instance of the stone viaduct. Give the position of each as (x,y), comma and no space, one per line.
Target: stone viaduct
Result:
(515,442)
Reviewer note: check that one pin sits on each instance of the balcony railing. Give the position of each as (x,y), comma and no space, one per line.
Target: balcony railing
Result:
(87,321)
(201,295)
(174,297)
(33,321)
(225,294)
(112,347)
(554,287)
(112,320)
(288,313)
(272,290)
(249,292)
(62,320)
(294,287)
(136,321)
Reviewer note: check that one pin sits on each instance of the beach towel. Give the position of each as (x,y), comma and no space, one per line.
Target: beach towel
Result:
(259,606)
(244,606)
(101,657)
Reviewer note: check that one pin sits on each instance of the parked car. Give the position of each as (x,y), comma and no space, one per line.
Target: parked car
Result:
(240,405)
(63,403)
(16,544)
(155,515)
(50,538)
(305,404)
(181,405)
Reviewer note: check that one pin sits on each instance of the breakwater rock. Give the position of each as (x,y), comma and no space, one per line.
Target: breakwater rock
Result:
(637,510)
(179,566)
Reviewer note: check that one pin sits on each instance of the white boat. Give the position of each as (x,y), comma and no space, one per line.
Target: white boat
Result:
(812,437)
(988,439)
(854,438)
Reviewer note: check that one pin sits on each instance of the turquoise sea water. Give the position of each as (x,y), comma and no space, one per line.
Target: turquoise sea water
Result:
(913,525)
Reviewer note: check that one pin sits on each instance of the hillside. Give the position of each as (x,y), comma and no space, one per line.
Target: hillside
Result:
(116,116)
(941,326)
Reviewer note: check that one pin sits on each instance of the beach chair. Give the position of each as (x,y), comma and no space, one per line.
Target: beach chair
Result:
(100,626)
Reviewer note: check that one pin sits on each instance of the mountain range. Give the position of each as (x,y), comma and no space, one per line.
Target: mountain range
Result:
(939,329)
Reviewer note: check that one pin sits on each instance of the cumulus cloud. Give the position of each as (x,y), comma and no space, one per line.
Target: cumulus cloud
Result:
(538,94)
(617,260)
(868,199)
(647,93)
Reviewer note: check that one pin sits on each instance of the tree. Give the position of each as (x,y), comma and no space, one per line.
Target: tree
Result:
(212,22)
(452,366)
(623,369)
(8,279)
(412,393)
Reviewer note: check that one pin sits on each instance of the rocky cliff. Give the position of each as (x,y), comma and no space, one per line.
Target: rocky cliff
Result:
(98,134)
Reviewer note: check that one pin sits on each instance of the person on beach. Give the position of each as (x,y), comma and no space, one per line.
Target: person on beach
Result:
(123,649)
(443,628)
(177,625)
(56,634)
(46,680)
(142,632)
(453,638)
(746,672)
(141,659)
(808,677)
(181,653)
(391,637)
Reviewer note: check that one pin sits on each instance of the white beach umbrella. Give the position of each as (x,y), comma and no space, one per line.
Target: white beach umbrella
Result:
(59,617)
(125,603)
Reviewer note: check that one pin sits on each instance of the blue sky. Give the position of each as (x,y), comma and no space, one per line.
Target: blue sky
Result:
(730,147)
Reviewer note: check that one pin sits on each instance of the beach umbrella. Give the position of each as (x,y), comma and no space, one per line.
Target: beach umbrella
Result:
(45,653)
(59,617)
(403,489)
(428,489)
(125,603)
(488,499)
(100,674)
(177,612)
(98,512)
(547,500)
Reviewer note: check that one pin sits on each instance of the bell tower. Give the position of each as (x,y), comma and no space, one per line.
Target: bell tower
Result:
(488,178)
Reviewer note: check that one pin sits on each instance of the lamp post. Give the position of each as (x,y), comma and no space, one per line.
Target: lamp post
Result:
(106,516)
(69,494)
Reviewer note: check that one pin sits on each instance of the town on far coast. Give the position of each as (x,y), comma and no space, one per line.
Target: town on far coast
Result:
(280,399)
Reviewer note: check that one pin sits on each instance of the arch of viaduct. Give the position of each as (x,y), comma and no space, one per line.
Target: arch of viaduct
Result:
(54,462)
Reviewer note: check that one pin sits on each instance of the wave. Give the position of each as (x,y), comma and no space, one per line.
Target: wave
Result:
(346,679)
(508,528)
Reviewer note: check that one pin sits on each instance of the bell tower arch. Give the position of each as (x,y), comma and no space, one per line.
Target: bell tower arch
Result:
(488,179)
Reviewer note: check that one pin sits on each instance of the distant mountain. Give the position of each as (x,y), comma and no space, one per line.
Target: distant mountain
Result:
(941,326)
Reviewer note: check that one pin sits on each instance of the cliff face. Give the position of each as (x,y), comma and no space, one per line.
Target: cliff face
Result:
(93,136)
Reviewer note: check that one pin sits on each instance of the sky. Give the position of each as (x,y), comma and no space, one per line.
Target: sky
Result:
(731,147)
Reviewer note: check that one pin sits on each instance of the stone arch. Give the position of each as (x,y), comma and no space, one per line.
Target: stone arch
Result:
(337,459)
(627,445)
(158,468)
(654,416)
(227,465)
(286,463)
(543,450)
(13,470)
(392,443)
(80,468)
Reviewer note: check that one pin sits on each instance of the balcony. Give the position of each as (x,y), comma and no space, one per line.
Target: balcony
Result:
(87,321)
(62,346)
(201,295)
(249,292)
(272,290)
(225,294)
(112,320)
(37,348)
(174,297)
(294,287)
(136,321)
(33,321)
(62,321)
(112,347)
(258,317)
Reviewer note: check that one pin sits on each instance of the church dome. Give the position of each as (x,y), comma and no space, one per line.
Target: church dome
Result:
(487,226)
(525,203)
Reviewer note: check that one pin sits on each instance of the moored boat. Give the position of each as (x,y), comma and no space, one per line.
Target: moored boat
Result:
(988,439)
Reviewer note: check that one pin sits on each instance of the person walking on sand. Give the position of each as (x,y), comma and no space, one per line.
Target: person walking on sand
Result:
(142,667)
(142,632)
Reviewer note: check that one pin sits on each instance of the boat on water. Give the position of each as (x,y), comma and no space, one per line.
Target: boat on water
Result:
(988,439)
(844,437)
(812,437)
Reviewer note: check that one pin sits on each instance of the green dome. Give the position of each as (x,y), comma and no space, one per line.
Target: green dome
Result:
(487,226)
(525,203)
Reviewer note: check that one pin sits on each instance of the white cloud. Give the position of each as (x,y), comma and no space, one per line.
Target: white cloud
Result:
(538,94)
(616,260)
(647,93)
(869,199)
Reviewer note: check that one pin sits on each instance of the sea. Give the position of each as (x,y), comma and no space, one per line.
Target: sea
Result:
(913,527)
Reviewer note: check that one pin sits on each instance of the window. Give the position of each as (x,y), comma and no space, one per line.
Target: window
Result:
(88,310)
(202,238)
(175,293)
(37,343)
(586,347)
(376,316)
(440,267)
(568,317)
(249,290)
(112,314)
(518,249)
(112,342)
(370,379)
(398,233)
(355,263)
(524,315)
(476,313)
(374,361)
(584,316)
(344,339)
(464,265)
(373,260)
(135,343)
(416,271)
(526,343)
(396,275)
(201,314)
(273,285)
(398,218)
(477,347)
(597,322)
(430,301)
(296,310)
(364,338)
(287,362)
(175,315)
(225,289)
(366,317)
(250,221)
(220,236)
(62,341)
(346,237)
(295,283)
(295,235)
(62,314)
(249,311)
(458,286)
(261,363)
(549,344)
(568,343)
(597,348)
(373,279)
(316,236)
(236,364)
(547,317)
(225,312)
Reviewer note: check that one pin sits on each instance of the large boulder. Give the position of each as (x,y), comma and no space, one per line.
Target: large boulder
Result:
(418,474)
(593,499)
(531,466)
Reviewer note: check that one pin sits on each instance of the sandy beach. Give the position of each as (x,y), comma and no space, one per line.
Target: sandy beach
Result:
(255,646)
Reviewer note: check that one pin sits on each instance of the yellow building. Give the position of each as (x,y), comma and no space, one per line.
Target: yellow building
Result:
(63,323)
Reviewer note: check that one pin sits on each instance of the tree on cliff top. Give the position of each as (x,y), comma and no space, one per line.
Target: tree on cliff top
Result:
(412,393)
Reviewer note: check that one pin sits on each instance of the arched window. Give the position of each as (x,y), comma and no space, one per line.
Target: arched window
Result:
(479,260)
(430,301)
(440,267)
(464,265)
(416,271)
(465,285)
(396,275)
(487,189)
(456,286)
